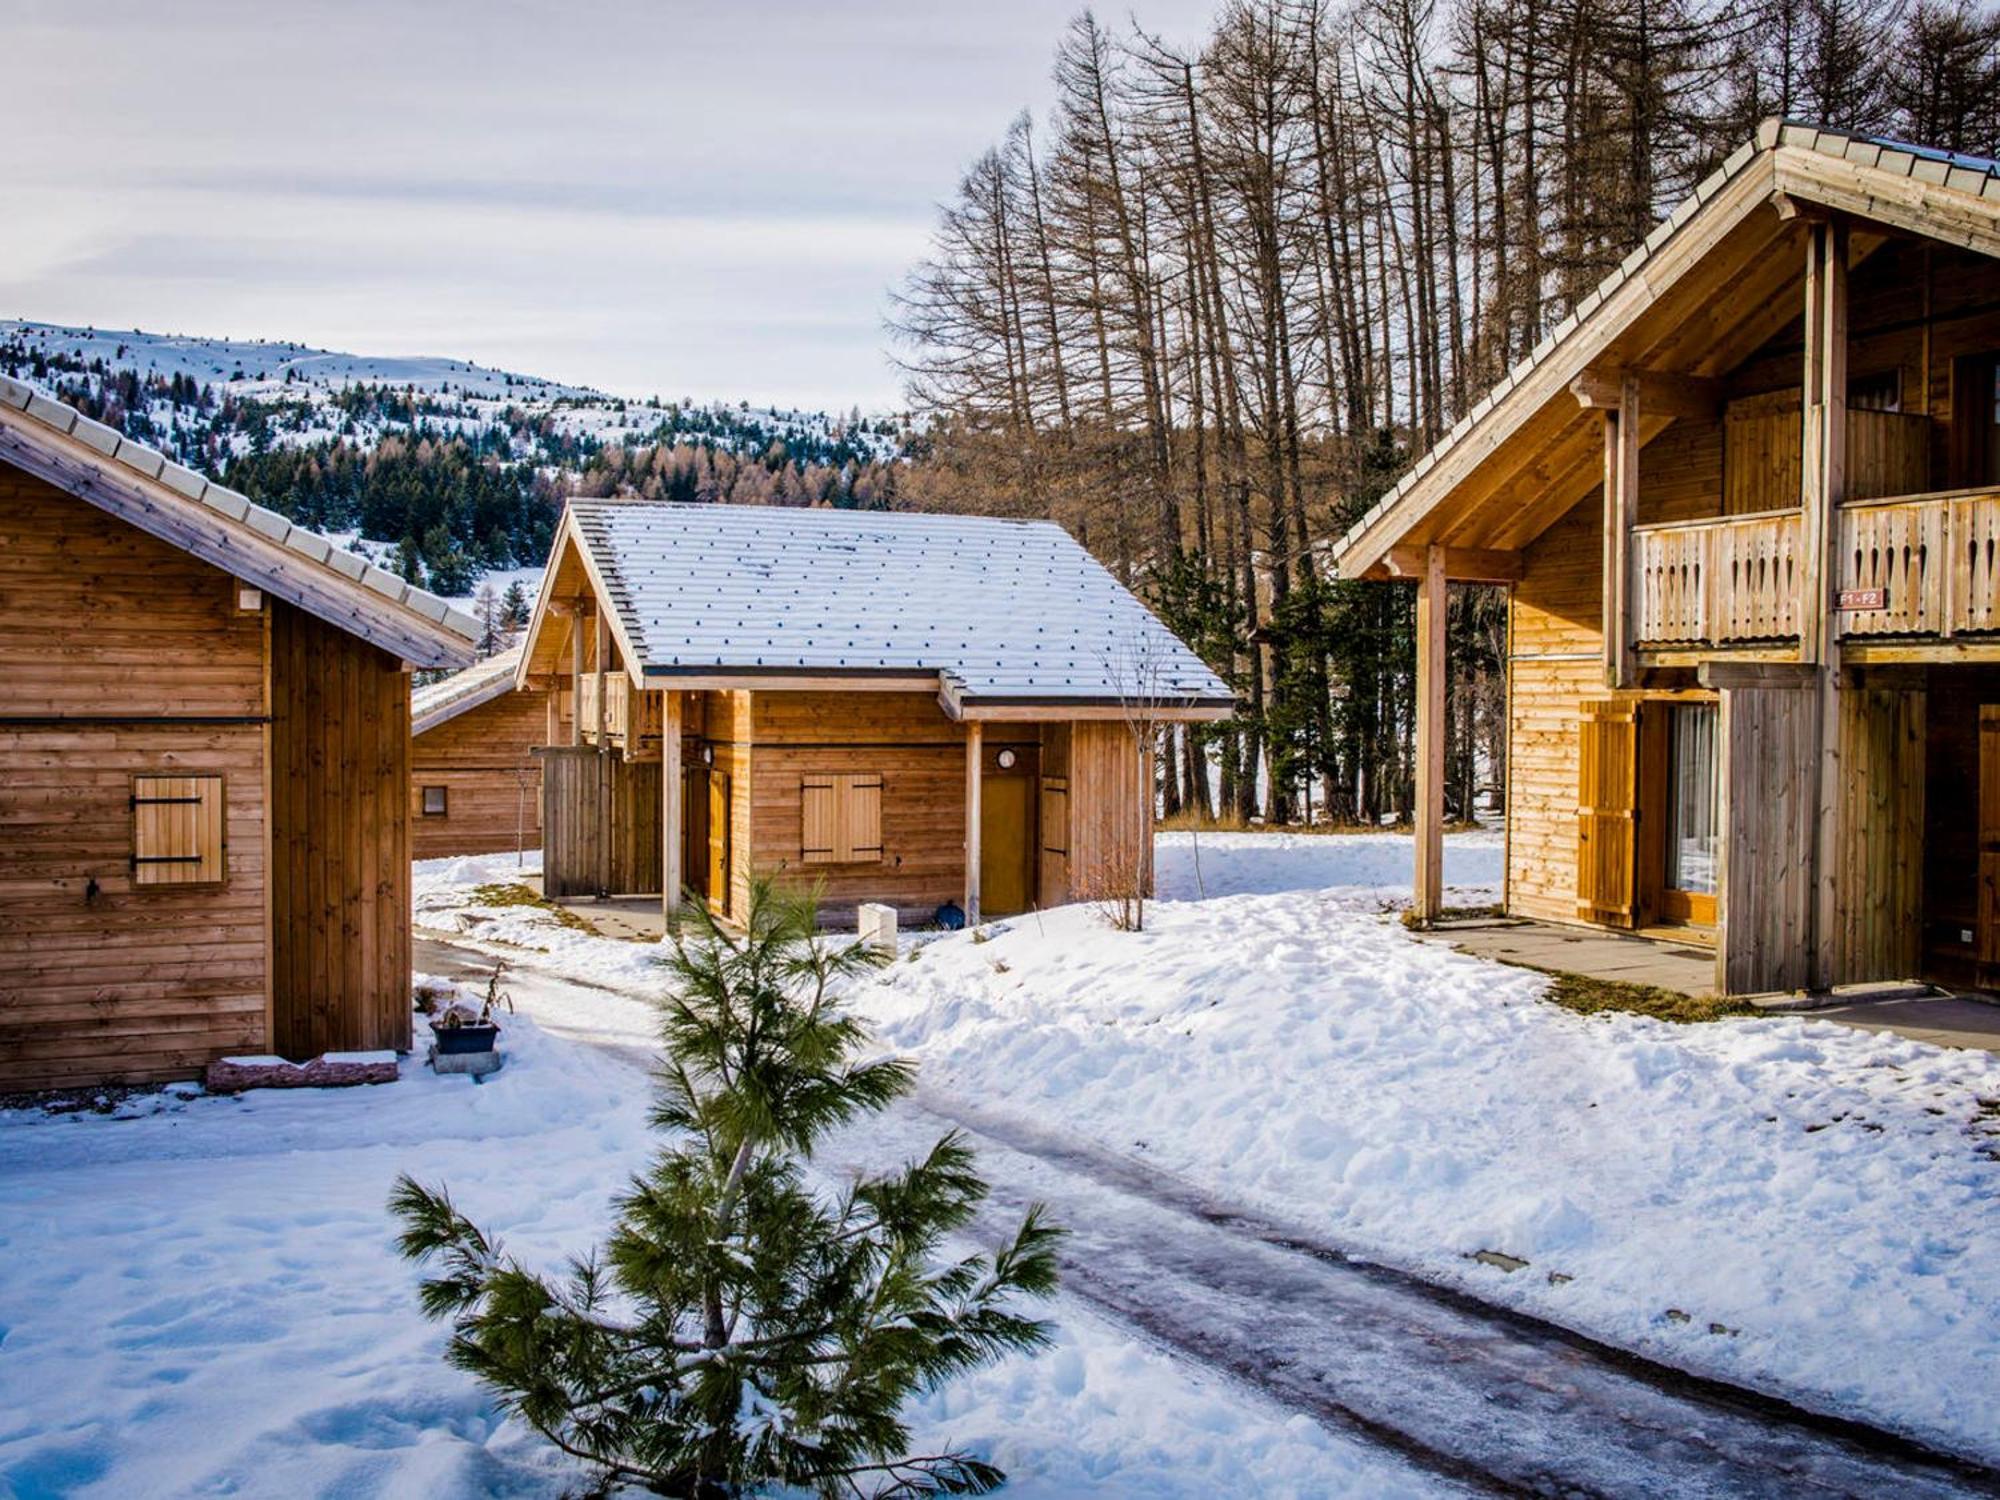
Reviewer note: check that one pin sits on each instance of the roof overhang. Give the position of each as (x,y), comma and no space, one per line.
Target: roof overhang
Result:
(86,459)
(424,718)
(1710,285)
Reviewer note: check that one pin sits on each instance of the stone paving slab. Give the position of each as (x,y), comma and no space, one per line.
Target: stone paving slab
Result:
(1597,955)
(1944,1020)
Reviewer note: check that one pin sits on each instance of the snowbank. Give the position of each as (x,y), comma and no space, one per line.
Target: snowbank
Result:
(1785,1202)
(201,1295)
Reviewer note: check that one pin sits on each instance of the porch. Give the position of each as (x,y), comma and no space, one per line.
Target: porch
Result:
(1920,1012)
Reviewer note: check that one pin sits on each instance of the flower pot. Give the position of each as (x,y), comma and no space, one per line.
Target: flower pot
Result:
(452,1040)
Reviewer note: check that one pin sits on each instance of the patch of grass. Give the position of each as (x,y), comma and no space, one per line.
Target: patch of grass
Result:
(513,893)
(1456,914)
(1589,997)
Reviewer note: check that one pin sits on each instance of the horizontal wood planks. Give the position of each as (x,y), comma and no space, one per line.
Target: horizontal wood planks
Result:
(485,760)
(1555,663)
(101,981)
(340,823)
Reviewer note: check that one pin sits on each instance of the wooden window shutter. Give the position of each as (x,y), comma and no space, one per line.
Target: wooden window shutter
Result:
(178,832)
(861,816)
(821,807)
(842,818)
(1606,810)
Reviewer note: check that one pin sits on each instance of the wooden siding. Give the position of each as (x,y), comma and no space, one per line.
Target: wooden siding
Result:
(145,648)
(574,857)
(1555,662)
(485,760)
(905,740)
(1879,885)
(1769,741)
(1110,796)
(340,822)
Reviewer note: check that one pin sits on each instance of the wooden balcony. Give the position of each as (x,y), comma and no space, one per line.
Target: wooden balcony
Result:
(1936,559)
(1737,581)
(1734,581)
(631,719)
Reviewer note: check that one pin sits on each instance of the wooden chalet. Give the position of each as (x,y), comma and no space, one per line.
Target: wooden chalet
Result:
(922,711)
(1747,502)
(475,776)
(204,768)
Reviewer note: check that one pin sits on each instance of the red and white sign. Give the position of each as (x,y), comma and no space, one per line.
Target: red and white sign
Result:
(1855,599)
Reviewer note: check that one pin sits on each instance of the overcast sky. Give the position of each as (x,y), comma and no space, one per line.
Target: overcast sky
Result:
(673,198)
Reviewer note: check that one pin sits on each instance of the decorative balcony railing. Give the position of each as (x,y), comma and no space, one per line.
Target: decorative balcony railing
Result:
(1921,565)
(1917,566)
(1733,581)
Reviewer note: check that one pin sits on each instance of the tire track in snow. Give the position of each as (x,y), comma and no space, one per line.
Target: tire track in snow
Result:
(1479,1394)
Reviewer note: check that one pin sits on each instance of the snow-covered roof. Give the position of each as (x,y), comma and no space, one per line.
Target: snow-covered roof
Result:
(438,702)
(222,527)
(1001,611)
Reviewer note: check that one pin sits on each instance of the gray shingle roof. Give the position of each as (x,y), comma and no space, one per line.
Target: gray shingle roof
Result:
(1002,610)
(151,464)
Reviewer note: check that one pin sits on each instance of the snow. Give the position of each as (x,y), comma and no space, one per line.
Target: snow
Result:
(1782,1202)
(201,1295)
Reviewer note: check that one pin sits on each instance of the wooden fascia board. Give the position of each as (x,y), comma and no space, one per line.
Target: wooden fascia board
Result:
(1906,203)
(235,549)
(1059,711)
(782,680)
(1747,193)
(546,608)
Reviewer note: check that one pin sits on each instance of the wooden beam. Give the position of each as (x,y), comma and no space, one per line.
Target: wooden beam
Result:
(1428,892)
(1621,511)
(604,772)
(576,626)
(1720,673)
(672,876)
(1690,396)
(1824,476)
(1461,564)
(974,742)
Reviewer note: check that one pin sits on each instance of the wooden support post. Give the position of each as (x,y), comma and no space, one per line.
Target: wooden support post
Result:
(1824,486)
(1428,895)
(672,876)
(973,755)
(577,620)
(1621,512)
(603,763)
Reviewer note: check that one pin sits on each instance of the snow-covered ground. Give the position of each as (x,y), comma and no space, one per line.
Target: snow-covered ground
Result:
(1783,1202)
(200,1296)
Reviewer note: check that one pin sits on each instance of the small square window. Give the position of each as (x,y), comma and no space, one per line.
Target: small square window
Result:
(435,802)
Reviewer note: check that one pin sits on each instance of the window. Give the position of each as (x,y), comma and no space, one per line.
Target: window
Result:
(1692,810)
(842,818)
(1881,391)
(178,832)
(436,804)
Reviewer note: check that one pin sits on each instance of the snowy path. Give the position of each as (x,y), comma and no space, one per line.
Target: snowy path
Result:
(1492,1398)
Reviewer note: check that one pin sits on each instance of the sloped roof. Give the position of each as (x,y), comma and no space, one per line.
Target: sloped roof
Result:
(1001,611)
(1915,189)
(439,702)
(58,443)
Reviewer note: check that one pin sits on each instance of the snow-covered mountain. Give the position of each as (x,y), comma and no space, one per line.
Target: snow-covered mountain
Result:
(212,399)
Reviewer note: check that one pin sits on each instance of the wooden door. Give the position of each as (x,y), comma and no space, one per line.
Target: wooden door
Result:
(718,842)
(1006,845)
(1987,940)
(1607,787)
(694,830)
